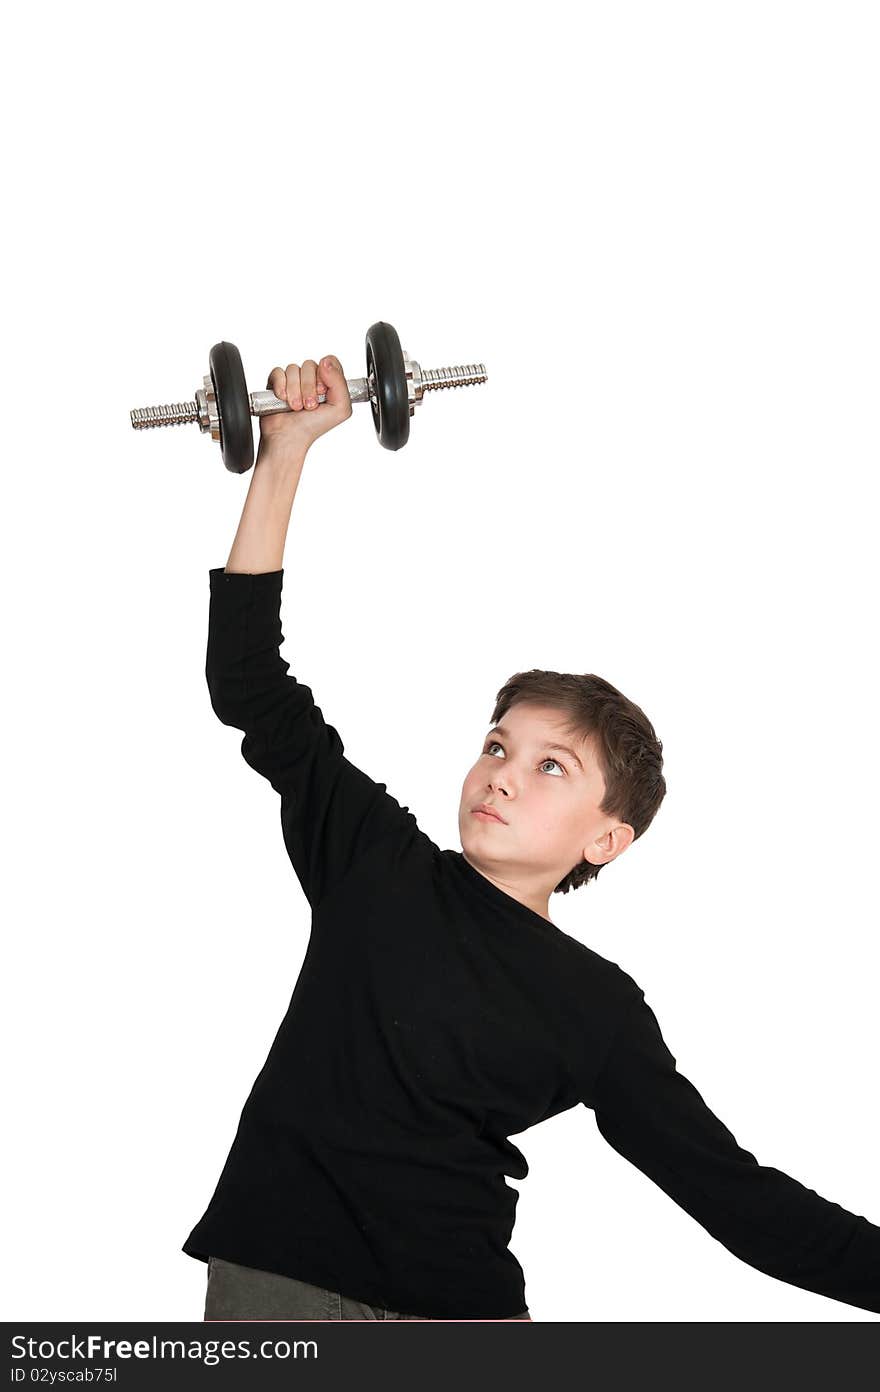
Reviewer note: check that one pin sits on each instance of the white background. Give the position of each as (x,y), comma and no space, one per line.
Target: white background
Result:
(658,227)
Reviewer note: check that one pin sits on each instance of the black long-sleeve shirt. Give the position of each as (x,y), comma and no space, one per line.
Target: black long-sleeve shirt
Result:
(434,1017)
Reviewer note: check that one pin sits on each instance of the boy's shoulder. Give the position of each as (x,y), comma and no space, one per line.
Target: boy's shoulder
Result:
(615,982)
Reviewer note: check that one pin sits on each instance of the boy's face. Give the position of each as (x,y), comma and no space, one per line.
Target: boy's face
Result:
(549,800)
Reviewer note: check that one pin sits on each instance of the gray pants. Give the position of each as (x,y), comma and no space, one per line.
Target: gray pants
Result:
(244,1293)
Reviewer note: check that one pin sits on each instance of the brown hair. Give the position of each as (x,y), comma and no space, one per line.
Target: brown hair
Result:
(626,747)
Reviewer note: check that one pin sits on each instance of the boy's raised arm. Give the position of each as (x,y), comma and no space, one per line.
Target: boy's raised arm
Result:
(331,812)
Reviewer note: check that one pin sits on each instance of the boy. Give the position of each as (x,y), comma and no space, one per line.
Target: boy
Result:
(439,1010)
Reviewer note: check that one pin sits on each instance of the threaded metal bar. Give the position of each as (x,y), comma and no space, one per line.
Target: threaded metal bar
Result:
(435,378)
(180,413)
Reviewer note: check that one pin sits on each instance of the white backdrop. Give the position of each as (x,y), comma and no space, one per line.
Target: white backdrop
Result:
(658,227)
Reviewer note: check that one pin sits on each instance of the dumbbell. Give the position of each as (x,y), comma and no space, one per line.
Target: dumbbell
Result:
(394,385)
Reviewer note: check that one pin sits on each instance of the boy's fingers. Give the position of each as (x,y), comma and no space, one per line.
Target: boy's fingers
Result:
(277,383)
(309,383)
(294,392)
(296,383)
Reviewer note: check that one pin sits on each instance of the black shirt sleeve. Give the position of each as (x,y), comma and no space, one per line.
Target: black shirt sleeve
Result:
(655,1118)
(331,812)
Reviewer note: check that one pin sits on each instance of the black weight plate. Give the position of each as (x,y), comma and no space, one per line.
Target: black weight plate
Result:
(391,406)
(233,407)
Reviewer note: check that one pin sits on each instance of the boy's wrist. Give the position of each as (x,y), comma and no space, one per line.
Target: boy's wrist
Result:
(281,454)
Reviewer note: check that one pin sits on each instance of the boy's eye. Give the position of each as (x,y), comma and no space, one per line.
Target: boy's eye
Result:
(492,744)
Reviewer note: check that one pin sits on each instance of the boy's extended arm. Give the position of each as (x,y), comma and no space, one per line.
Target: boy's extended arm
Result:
(655,1118)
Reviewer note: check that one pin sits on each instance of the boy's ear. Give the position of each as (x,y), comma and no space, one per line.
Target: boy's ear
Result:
(611,845)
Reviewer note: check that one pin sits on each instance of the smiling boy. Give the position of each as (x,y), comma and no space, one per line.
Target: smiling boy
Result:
(439,1010)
